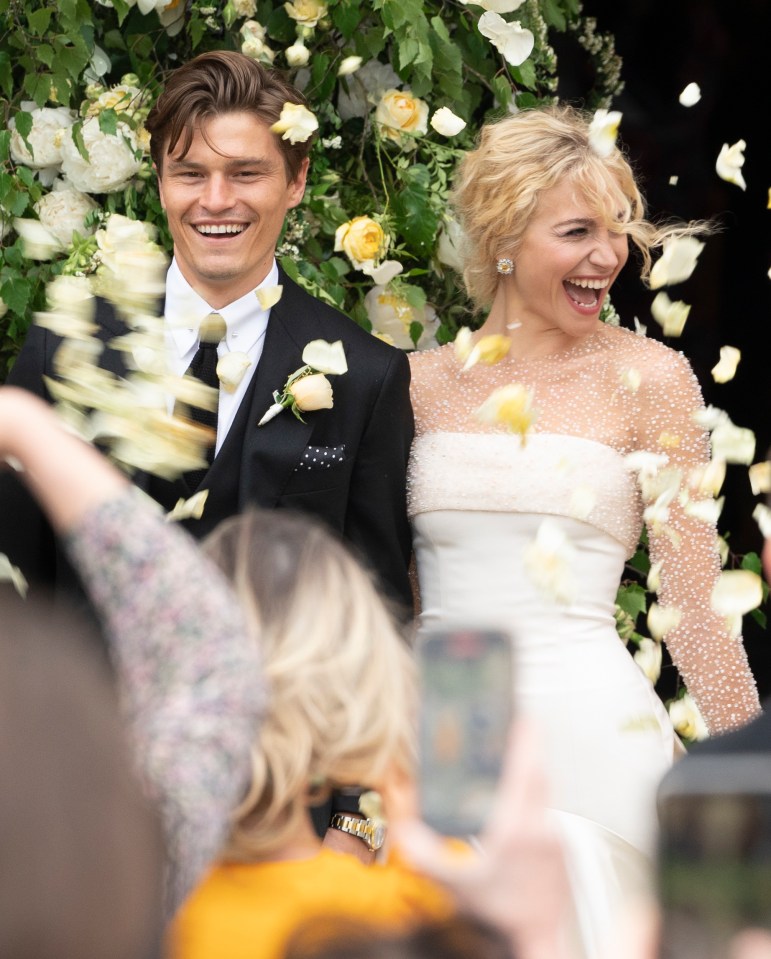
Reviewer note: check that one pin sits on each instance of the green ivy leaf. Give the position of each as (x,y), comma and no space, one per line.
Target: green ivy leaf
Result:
(23,123)
(38,21)
(5,146)
(76,132)
(6,79)
(524,74)
(15,293)
(415,219)
(108,122)
(346,17)
(632,598)
(752,562)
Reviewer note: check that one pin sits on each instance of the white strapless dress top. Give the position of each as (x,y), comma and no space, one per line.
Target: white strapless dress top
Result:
(477,502)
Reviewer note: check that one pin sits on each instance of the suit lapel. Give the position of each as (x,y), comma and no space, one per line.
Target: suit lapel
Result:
(271,452)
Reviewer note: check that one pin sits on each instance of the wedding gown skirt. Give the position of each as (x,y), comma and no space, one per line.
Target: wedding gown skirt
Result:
(606,736)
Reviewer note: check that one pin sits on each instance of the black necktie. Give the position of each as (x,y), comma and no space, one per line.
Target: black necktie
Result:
(203,367)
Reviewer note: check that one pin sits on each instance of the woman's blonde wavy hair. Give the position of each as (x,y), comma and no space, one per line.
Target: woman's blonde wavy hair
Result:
(498,184)
(341,682)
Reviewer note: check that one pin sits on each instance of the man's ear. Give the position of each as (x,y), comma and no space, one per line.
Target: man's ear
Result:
(297,186)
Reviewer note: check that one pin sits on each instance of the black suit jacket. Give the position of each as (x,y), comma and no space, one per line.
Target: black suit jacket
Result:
(366,438)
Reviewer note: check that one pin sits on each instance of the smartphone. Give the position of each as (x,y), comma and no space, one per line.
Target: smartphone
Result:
(466,710)
(714,863)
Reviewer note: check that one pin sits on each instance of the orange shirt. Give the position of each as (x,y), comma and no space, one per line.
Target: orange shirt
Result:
(248,911)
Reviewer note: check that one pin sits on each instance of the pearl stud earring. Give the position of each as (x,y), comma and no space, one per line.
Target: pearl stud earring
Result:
(504,265)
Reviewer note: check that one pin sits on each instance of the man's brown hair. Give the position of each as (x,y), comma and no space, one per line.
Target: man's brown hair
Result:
(217,83)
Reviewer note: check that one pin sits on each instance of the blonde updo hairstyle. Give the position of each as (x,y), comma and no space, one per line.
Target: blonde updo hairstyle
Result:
(341,683)
(498,184)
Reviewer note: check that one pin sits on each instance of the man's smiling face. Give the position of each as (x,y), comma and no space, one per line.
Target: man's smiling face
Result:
(225,201)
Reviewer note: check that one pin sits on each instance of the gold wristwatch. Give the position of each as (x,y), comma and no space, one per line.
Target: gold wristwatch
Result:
(369,831)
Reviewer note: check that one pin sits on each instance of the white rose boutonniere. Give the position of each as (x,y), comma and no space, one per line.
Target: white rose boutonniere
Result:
(308,388)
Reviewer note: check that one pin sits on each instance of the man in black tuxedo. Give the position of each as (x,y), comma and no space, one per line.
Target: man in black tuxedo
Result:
(226,183)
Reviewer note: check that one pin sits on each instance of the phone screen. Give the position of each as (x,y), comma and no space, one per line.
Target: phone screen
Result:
(715,861)
(466,689)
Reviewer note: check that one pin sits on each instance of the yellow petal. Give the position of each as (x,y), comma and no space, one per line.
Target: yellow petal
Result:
(734,444)
(760,477)
(671,316)
(631,379)
(489,350)
(509,406)
(725,369)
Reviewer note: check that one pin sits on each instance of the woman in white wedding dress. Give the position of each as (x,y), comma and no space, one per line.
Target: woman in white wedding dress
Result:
(531,531)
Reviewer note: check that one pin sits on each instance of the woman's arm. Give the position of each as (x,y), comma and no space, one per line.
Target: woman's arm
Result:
(187,669)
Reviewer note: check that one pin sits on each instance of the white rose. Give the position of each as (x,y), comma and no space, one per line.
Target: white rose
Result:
(400,112)
(297,55)
(312,392)
(306,12)
(111,162)
(63,212)
(391,315)
(123,98)
(258,50)
(244,8)
(45,137)
(348,66)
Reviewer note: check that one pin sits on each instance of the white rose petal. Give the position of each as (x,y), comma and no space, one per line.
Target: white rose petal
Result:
(708,479)
(648,658)
(326,357)
(550,561)
(12,574)
(269,295)
(730,162)
(736,592)
(760,477)
(582,502)
(725,369)
(653,581)
(444,121)
(349,65)
(677,261)
(296,123)
(662,619)
(734,444)
(690,95)
(645,464)
(709,417)
(383,274)
(191,508)
(762,516)
(670,315)
(231,368)
(631,379)
(705,510)
(603,131)
(512,40)
(687,720)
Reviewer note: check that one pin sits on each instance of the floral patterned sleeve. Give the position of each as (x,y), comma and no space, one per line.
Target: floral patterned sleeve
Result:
(188,672)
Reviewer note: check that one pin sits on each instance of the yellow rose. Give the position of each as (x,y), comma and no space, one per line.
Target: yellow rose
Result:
(312,392)
(361,239)
(400,112)
(306,12)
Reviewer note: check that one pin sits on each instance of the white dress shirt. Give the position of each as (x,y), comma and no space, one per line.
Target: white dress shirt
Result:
(246,323)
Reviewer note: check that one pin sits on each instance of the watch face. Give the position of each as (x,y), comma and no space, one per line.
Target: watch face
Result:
(378,836)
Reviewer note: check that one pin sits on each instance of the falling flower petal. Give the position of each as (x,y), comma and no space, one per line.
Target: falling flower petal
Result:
(645,464)
(509,406)
(511,40)
(662,619)
(725,368)
(653,581)
(349,65)
(687,720)
(673,180)
(709,417)
(722,548)
(730,162)
(677,261)
(325,357)
(734,444)
(603,131)
(383,274)
(489,350)
(760,477)
(639,328)
(671,316)
(296,123)
(444,121)
(705,510)
(648,658)
(736,592)
(582,502)
(268,296)
(550,561)
(762,516)
(690,95)
(231,368)
(38,242)
(191,508)
(12,574)
(463,343)
(708,479)
(631,379)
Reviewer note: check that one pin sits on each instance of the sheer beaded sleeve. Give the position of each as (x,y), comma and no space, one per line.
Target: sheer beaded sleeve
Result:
(187,668)
(713,663)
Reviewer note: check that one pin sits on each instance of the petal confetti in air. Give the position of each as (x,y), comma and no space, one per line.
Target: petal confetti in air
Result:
(489,350)
(444,121)
(690,95)
(734,444)
(509,406)
(296,123)
(268,296)
(662,620)
(705,510)
(12,574)
(709,417)
(511,40)
(550,561)
(463,343)
(687,720)
(648,657)
(671,316)
(191,508)
(630,379)
(762,516)
(736,592)
(677,261)
(349,65)
(760,477)
(603,131)
(730,162)
(582,501)
(325,357)
(653,581)
(645,464)
(725,369)
(37,241)
(231,368)
(707,479)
